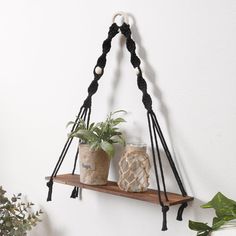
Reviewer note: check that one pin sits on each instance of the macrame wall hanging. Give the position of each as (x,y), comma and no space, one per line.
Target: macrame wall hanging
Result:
(160,195)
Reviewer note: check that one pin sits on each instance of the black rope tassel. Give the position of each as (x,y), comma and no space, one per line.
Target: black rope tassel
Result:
(75,192)
(49,185)
(164,212)
(181,210)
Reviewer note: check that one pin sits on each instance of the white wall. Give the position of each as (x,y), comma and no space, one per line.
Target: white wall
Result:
(47,53)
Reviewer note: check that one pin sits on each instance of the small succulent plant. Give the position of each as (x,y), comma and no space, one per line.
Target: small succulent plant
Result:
(16,217)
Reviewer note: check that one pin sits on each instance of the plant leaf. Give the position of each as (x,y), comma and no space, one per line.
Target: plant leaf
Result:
(215,220)
(85,135)
(218,224)
(119,111)
(118,121)
(91,126)
(118,139)
(108,148)
(218,200)
(198,226)
(223,206)
(69,123)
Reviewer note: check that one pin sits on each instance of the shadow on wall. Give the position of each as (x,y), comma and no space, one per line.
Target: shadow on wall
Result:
(170,180)
(117,73)
(44,228)
(198,213)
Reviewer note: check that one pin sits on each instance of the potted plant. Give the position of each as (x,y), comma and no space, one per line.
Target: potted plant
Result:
(97,147)
(16,217)
(223,223)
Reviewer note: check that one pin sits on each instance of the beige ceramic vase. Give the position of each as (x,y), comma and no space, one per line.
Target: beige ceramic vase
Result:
(134,167)
(94,166)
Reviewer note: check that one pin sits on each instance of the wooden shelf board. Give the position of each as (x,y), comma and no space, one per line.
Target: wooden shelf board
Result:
(112,188)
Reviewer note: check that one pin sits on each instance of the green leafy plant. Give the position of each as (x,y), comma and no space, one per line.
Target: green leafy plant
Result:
(16,217)
(225,210)
(102,135)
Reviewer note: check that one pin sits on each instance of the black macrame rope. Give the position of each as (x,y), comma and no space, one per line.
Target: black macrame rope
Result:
(164,207)
(61,158)
(147,101)
(64,150)
(92,89)
(89,115)
(74,193)
(159,159)
(135,61)
(172,164)
(76,190)
(154,160)
(81,114)
(168,155)
(101,62)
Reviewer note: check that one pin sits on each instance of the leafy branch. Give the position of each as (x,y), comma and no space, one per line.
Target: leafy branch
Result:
(16,217)
(225,210)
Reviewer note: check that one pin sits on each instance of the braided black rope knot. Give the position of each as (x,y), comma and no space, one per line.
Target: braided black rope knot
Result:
(130,44)
(142,85)
(106,46)
(135,61)
(113,30)
(164,212)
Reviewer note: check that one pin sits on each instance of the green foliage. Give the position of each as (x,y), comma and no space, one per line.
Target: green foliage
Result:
(101,135)
(225,210)
(16,217)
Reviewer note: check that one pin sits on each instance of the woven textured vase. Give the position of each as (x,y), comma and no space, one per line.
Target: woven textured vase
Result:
(134,169)
(94,166)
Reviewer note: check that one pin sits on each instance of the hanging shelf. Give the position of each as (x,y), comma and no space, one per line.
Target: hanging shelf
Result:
(164,198)
(113,189)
